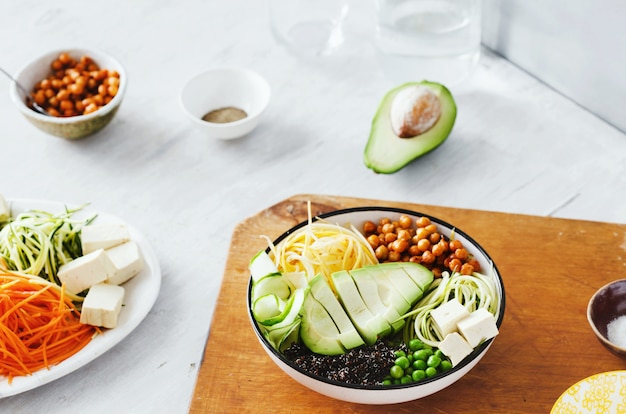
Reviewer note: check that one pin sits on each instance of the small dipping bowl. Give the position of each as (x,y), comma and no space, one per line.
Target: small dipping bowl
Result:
(72,127)
(219,88)
(605,306)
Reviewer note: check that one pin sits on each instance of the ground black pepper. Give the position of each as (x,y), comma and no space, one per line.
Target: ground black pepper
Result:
(224,115)
(361,366)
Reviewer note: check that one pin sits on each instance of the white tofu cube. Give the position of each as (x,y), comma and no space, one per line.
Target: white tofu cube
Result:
(127,260)
(455,347)
(102,305)
(446,316)
(5,214)
(103,236)
(479,326)
(86,271)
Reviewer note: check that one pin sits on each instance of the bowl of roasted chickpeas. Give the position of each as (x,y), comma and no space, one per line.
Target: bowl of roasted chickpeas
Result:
(80,90)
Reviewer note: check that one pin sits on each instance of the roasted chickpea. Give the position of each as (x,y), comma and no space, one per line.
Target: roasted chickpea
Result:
(369,227)
(390,237)
(455,245)
(467,269)
(373,240)
(423,245)
(400,245)
(76,87)
(405,222)
(393,256)
(438,249)
(434,237)
(398,240)
(428,257)
(455,265)
(382,253)
(422,233)
(461,253)
(414,250)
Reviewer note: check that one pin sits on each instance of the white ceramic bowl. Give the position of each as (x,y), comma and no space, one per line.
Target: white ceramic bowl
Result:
(390,394)
(70,127)
(221,88)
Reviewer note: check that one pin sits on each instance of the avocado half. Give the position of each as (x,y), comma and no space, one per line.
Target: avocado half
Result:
(386,152)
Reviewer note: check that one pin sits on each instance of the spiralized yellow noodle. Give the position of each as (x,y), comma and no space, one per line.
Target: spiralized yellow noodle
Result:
(323,247)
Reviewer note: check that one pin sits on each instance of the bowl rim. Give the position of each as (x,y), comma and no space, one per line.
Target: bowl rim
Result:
(592,324)
(476,353)
(239,70)
(19,99)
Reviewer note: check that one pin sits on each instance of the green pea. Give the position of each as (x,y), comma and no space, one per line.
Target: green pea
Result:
(423,354)
(433,361)
(396,372)
(420,364)
(408,371)
(418,374)
(440,354)
(415,344)
(399,353)
(431,372)
(406,380)
(446,365)
(386,382)
(403,362)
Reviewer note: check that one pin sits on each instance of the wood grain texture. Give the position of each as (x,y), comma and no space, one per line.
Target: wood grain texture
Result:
(550,268)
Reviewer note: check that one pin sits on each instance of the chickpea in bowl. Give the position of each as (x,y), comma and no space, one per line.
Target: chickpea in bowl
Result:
(81,90)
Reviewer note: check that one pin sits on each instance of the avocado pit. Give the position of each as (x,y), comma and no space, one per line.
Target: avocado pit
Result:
(414,110)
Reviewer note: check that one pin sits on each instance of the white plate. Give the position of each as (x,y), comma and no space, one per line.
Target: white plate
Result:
(141,293)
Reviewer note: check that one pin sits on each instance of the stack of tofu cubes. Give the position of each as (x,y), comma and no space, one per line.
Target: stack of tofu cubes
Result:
(461,330)
(109,259)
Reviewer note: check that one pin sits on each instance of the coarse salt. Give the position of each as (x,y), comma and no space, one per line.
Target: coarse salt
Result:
(616,331)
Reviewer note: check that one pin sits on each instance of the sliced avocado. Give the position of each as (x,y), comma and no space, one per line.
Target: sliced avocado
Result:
(421,275)
(385,151)
(317,329)
(403,283)
(388,293)
(368,288)
(321,290)
(370,326)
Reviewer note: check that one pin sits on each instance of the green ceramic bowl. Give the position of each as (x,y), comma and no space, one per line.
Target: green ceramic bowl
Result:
(76,126)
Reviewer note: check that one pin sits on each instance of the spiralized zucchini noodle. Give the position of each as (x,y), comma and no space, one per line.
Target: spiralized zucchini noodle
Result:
(472,291)
(322,247)
(38,243)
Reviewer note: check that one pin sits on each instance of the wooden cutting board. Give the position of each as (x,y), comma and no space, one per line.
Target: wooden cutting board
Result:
(550,268)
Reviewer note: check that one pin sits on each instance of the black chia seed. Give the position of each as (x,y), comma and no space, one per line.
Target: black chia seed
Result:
(367,365)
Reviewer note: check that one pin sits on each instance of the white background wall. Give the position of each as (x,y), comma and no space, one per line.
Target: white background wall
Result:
(578,47)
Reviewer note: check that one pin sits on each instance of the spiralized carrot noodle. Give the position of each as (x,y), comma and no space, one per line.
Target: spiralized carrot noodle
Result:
(39,325)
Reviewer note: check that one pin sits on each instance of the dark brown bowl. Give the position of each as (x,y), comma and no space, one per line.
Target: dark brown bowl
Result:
(607,304)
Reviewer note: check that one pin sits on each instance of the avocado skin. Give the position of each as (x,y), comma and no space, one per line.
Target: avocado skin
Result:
(386,153)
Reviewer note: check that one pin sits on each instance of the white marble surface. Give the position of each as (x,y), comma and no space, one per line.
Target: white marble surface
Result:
(517,146)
